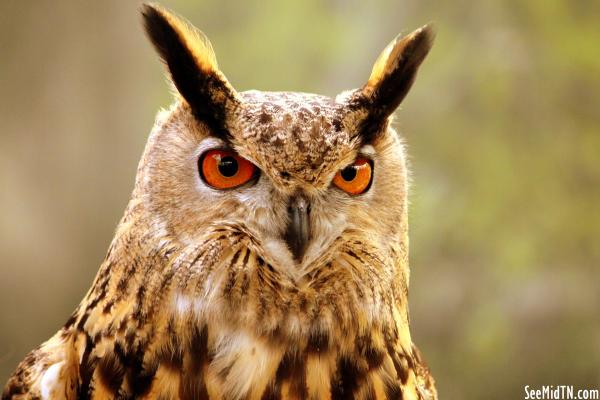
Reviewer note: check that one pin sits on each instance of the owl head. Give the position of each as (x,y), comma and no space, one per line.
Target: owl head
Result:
(298,173)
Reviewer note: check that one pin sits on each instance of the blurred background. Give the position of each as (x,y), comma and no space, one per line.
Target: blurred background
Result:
(502,128)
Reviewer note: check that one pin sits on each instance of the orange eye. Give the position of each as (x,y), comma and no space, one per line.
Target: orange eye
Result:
(223,169)
(355,178)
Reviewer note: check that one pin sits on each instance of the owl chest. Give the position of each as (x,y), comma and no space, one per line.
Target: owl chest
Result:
(193,356)
(246,368)
(241,366)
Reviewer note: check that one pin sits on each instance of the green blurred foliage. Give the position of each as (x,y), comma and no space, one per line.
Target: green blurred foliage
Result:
(502,129)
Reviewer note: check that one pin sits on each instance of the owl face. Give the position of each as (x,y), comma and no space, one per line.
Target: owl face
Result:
(296,172)
(293,172)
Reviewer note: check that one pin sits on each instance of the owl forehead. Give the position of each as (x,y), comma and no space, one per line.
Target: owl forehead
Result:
(295,137)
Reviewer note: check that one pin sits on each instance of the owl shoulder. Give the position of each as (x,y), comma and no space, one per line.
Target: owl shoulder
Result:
(47,372)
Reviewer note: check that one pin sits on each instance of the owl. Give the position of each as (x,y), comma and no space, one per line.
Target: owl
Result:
(263,253)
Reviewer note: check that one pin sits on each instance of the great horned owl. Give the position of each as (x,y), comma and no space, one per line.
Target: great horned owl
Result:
(263,254)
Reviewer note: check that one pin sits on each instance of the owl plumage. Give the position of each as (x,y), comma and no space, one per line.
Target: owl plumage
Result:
(286,286)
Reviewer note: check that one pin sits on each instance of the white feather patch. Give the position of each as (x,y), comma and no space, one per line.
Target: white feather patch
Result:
(250,360)
(50,381)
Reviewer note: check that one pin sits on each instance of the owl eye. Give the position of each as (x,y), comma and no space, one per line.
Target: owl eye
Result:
(356,178)
(224,169)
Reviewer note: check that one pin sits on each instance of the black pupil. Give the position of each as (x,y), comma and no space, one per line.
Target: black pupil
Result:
(349,173)
(228,166)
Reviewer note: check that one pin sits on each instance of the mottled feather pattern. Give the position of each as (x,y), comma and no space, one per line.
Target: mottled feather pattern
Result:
(200,295)
(134,329)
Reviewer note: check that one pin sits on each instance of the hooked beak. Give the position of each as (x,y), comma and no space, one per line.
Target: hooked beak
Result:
(297,233)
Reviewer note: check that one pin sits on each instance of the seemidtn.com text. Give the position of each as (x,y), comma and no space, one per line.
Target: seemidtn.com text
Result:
(560,392)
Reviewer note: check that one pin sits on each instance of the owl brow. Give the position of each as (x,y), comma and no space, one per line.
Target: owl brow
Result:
(224,136)
(369,126)
(366,150)
(370,130)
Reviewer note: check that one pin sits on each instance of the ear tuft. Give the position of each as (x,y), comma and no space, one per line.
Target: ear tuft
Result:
(163,26)
(402,57)
(191,61)
(391,78)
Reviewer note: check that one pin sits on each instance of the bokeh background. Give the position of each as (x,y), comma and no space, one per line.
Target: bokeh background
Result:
(502,127)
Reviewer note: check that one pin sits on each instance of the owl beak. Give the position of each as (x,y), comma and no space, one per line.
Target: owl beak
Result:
(297,233)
